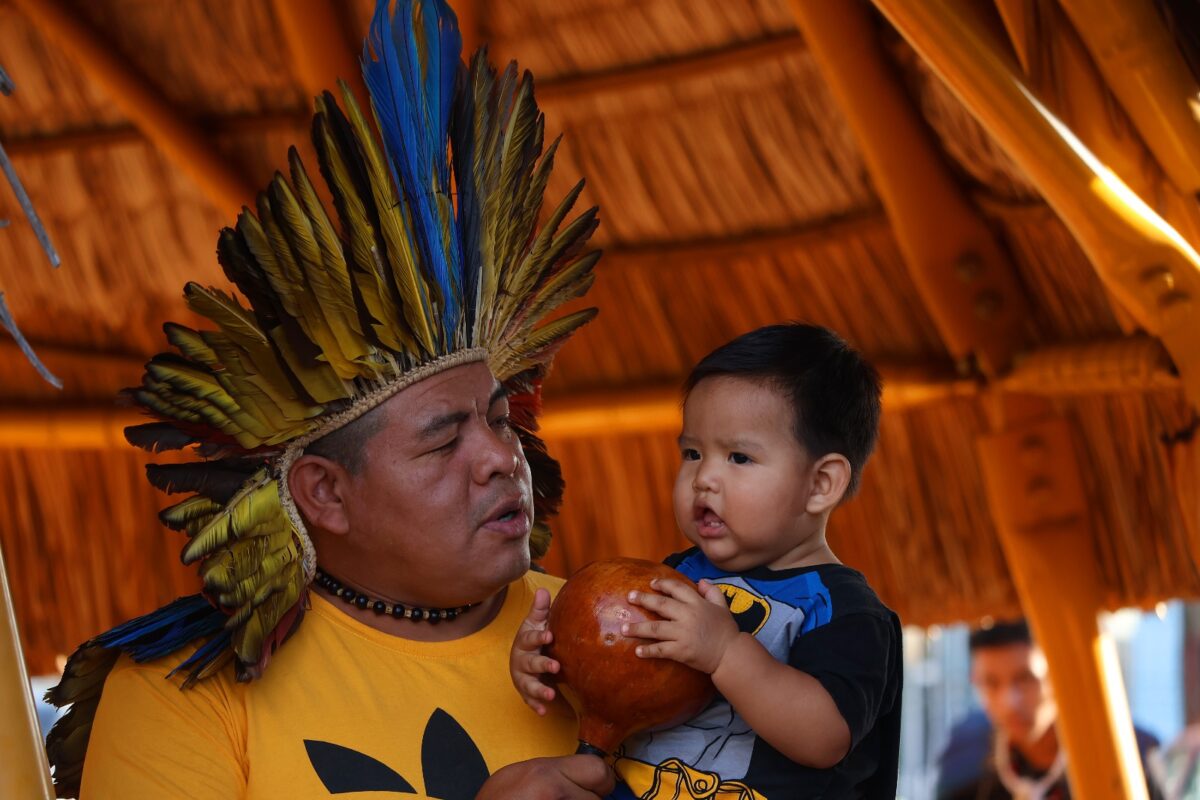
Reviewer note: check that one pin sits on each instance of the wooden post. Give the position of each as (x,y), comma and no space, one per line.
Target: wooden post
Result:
(1143,261)
(26,772)
(969,288)
(1139,58)
(1041,511)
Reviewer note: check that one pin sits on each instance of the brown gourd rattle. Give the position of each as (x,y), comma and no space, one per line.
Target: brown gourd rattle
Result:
(614,692)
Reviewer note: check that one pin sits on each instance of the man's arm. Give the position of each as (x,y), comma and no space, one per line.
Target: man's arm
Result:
(150,739)
(564,778)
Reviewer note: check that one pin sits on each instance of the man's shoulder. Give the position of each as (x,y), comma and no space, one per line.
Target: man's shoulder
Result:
(159,678)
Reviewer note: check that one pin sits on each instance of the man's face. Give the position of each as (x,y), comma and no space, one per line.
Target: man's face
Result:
(441,510)
(1014,689)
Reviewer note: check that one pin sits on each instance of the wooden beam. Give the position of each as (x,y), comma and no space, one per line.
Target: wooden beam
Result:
(117,135)
(316,76)
(656,409)
(1063,74)
(1035,489)
(1143,66)
(969,289)
(644,410)
(1136,364)
(320,48)
(122,368)
(88,428)
(1145,263)
(628,78)
(170,130)
(753,243)
(1117,366)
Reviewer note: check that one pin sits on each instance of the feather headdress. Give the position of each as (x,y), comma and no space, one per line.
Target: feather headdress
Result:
(436,259)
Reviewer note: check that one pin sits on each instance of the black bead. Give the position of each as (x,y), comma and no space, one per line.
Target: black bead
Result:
(451,613)
(379,607)
(398,611)
(361,601)
(418,614)
(335,587)
(349,595)
(435,616)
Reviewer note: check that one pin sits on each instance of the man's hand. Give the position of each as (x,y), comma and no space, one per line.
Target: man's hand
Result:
(564,778)
(696,628)
(526,662)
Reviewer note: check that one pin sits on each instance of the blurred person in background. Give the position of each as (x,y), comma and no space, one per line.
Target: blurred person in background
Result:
(1012,750)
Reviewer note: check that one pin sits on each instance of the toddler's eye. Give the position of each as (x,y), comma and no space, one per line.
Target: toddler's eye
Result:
(690,455)
(502,423)
(740,458)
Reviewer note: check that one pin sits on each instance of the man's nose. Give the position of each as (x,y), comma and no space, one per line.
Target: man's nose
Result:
(1012,698)
(497,456)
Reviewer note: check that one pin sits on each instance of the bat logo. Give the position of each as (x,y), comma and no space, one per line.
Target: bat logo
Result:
(749,610)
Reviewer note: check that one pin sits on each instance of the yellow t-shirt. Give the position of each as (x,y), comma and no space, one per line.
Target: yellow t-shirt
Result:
(341,708)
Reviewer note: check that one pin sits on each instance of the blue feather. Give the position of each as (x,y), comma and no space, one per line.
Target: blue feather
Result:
(470,215)
(411,82)
(205,655)
(166,630)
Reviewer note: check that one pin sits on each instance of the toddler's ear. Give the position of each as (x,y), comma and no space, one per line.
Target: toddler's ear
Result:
(830,479)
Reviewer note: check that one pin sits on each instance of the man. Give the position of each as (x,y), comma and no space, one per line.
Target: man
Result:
(1014,751)
(371,491)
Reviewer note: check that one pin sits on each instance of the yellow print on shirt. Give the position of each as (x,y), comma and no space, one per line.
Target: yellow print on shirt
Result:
(749,610)
(675,780)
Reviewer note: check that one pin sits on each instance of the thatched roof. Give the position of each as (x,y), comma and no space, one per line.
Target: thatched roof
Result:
(734,194)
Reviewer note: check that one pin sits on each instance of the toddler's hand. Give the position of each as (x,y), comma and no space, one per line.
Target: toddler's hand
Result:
(696,628)
(526,662)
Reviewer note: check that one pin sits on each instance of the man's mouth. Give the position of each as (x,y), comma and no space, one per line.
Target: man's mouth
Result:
(508,519)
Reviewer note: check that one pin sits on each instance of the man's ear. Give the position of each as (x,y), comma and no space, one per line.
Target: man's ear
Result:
(318,486)
(830,479)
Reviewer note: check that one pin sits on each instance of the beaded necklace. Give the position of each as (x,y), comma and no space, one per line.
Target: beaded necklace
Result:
(382,607)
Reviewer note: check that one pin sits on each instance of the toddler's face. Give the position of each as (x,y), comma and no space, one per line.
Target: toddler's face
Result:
(744,479)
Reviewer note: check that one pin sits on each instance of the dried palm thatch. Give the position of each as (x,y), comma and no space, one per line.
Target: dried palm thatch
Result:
(734,194)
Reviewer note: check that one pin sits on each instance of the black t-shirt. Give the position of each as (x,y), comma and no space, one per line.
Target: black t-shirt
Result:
(823,620)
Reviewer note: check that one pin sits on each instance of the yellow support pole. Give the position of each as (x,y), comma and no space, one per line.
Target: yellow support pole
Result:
(1065,77)
(25,771)
(1141,62)
(1144,262)
(1041,512)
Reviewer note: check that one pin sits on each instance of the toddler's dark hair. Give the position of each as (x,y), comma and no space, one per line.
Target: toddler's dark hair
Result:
(833,390)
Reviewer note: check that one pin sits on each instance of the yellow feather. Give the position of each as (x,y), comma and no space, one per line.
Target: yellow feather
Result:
(329,310)
(539,346)
(257,504)
(372,282)
(395,226)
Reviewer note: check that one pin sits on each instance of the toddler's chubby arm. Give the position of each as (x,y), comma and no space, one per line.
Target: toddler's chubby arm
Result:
(525,660)
(788,708)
